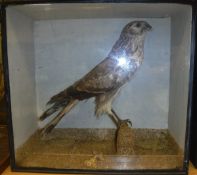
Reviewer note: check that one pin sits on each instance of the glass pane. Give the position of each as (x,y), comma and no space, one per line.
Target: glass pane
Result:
(128,64)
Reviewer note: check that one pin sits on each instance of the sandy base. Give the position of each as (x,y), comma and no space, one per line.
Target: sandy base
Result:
(96,149)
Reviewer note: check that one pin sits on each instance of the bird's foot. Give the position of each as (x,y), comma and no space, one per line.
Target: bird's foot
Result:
(127,121)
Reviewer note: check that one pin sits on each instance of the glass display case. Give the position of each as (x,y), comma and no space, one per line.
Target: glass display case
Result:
(103,87)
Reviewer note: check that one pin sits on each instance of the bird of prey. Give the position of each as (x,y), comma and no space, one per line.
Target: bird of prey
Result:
(104,81)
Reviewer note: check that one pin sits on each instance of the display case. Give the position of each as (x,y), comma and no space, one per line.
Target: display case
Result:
(99,87)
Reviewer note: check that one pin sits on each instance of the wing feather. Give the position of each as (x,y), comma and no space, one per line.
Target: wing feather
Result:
(104,77)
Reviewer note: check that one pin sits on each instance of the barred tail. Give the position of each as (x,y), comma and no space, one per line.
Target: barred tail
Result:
(49,127)
(58,102)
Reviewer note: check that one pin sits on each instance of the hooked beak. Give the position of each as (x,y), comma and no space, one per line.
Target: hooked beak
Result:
(149,27)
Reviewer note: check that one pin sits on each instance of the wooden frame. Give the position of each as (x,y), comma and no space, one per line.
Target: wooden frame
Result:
(191,101)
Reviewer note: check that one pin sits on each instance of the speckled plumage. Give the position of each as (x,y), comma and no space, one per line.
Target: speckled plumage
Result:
(105,80)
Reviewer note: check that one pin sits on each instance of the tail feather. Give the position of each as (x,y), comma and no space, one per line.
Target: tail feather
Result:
(49,127)
(50,111)
(62,102)
(60,97)
(58,102)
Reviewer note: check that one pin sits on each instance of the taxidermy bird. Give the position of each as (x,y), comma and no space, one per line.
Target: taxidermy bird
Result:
(104,81)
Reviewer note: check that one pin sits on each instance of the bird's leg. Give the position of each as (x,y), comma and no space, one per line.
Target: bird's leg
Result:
(117,117)
(113,118)
(119,121)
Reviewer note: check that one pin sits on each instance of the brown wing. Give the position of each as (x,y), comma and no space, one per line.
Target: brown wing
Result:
(107,75)
(100,79)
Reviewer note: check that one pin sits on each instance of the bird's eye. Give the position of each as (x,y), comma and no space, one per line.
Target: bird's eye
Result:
(138,25)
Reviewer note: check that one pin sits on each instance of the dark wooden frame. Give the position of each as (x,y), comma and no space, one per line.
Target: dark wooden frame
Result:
(191,111)
(4,159)
(193,129)
(193,146)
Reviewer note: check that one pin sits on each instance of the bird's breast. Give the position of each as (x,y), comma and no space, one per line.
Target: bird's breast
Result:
(125,71)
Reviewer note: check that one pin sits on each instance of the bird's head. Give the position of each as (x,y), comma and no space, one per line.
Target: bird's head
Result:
(136,28)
